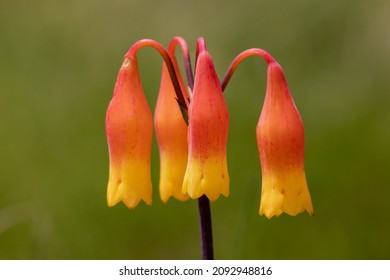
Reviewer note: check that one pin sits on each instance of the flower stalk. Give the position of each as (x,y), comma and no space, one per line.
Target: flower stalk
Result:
(167,59)
(239,58)
(186,58)
(206,232)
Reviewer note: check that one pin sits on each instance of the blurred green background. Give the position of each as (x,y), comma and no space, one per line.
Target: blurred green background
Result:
(58,66)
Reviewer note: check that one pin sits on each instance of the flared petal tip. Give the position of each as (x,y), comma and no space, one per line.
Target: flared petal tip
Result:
(269,213)
(212,195)
(171,179)
(285,192)
(130,202)
(165,196)
(180,198)
(276,203)
(116,194)
(211,185)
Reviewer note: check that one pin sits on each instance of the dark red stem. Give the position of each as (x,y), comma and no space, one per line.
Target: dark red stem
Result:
(167,59)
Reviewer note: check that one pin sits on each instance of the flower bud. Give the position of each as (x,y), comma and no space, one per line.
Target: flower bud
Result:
(207,172)
(171,133)
(129,135)
(280,139)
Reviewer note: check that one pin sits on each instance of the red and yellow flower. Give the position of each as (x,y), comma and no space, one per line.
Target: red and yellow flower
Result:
(193,160)
(280,139)
(171,132)
(207,172)
(129,134)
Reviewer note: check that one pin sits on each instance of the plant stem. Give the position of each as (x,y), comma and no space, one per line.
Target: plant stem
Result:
(206,233)
(186,58)
(167,59)
(239,58)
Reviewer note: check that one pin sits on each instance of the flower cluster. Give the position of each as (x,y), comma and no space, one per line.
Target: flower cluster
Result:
(193,157)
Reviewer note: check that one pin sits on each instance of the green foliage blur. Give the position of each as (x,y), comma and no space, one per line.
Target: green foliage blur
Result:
(58,66)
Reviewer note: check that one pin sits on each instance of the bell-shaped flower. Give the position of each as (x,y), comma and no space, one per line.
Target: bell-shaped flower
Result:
(129,128)
(207,172)
(171,132)
(280,139)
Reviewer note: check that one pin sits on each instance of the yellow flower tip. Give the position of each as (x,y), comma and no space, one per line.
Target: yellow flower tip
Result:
(208,178)
(169,190)
(171,180)
(171,176)
(130,183)
(285,192)
(131,200)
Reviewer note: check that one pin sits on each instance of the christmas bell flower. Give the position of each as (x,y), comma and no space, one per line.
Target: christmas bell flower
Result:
(129,135)
(280,139)
(171,133)
(207,172)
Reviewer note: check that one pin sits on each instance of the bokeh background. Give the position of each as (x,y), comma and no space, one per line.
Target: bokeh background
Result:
(58,66)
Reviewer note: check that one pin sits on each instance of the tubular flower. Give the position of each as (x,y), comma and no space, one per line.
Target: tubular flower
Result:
(129,134)
(206,172)
(280,139)
(171,132)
